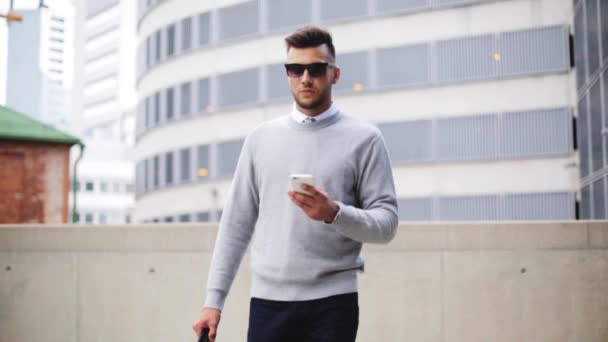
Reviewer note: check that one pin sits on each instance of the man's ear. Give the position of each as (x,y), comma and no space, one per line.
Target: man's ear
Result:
(336,75)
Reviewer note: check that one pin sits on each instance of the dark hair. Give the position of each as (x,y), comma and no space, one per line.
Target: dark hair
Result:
(310,36)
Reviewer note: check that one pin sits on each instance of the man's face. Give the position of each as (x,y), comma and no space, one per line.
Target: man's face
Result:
(312,94)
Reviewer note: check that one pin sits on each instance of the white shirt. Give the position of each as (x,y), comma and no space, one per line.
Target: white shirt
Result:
(302,118)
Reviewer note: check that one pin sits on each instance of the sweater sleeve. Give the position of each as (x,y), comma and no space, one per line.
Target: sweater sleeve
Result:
(235,230)
(376,219)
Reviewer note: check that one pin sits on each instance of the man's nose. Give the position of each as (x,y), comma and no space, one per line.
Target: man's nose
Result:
(306,79)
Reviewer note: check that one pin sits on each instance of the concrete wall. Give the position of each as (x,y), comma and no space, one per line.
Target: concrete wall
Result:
(434,282)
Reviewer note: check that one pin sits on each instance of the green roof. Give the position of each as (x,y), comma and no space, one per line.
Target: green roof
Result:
(18,126)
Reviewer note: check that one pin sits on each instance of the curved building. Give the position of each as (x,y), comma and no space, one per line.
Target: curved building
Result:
(476,100)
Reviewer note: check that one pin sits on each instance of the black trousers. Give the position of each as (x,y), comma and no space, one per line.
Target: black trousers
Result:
(331,319)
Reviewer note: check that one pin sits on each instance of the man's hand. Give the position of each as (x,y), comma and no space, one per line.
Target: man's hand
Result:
(210,318)
(317,205)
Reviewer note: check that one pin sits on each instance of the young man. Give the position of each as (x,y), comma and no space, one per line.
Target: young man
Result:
(305,248)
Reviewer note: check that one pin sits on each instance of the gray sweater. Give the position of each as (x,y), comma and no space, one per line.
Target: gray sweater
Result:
(294,257)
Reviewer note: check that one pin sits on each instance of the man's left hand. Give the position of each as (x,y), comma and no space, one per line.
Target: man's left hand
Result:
(318,206)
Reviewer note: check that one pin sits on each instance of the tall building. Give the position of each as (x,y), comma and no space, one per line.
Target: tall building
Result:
(39,60)
(591,56)
(104,99)
(476,100)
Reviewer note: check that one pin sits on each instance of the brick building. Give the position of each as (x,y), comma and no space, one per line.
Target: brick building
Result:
(34,170)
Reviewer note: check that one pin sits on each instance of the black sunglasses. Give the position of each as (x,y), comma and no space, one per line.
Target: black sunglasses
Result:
(296,70)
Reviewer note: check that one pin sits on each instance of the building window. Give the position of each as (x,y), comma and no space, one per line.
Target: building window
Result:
(238,20)
(170,40)
(103,187)
(169,103)
(288,13)
(169,168)
(395,65)
(354,76)
(103,218)
(276,84)
(89,186)
(186,96)
(185,165)
(204,29)
(238,88)
(593,36)
(203,165)
(156,108)
(228,156)
(186,34)
(88,218)
(155,172)
(184,218)
(336,10)
(158,47)
(202,216)
(204,105)
(408,141)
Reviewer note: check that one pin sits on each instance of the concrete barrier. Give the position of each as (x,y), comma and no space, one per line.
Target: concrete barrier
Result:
(448,282)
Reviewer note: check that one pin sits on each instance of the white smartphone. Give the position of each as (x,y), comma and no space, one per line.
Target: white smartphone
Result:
(296,181)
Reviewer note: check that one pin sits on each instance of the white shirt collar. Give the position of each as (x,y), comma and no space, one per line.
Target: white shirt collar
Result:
(301,117)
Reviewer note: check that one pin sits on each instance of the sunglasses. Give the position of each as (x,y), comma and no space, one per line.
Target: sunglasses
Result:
(296,70)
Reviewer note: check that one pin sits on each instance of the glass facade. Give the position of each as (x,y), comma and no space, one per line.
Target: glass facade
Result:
(591,57)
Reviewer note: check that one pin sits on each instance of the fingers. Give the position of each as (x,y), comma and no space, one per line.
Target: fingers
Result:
(300,200)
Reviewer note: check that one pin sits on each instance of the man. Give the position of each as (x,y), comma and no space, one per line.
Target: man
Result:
(305,248)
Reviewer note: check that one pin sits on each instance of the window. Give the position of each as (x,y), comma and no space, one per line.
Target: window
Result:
(278,88)
(147,175)
(155,172)
(202,216)
(204,24)
(539,206)
(186,34)
(185,95)
(129,188)
(228,156)
(168,219)
(185,165)
(404,65)
(467,138)
(170,40)
(169,168)
(204,105)
(103,218)
(530,51)
(158,45)
(604,27)
(583,136)
(544,132)
(408,141)
(88,218)
(237,88)
(468,208)
(599,199)
(466,59)
(415,209)
(89,186)
(586,203)
(103,187)
(336,10)
(595,118)
(156,108)
(184,218)
(203,167)
(593,35)
(579,47)
(169,103)
(238,20)
(389,6)
(288,13)
(147,113)
(354,76)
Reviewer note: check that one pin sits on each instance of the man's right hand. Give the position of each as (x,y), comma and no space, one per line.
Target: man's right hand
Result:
(210,318)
